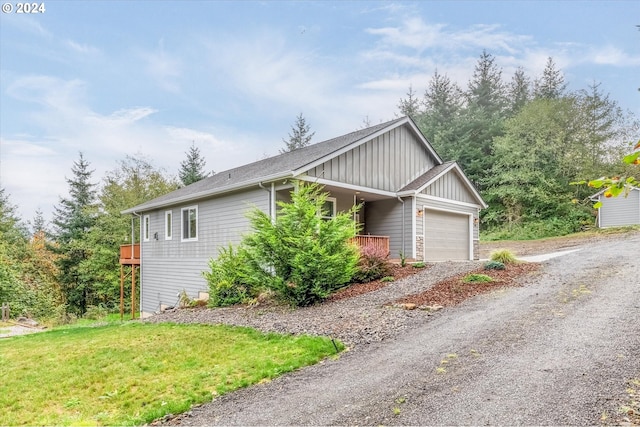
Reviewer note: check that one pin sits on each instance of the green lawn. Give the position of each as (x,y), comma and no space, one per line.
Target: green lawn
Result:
(133,373)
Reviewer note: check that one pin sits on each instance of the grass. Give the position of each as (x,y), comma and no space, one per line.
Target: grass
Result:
(133,373)
(503,256)
(524,233)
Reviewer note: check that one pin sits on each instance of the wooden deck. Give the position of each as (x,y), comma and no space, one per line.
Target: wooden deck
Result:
(130,254)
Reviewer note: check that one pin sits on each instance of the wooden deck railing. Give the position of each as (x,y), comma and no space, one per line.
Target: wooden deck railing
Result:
(381,242)
(130,254)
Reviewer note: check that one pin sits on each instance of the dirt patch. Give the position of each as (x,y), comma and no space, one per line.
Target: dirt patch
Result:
(454,290)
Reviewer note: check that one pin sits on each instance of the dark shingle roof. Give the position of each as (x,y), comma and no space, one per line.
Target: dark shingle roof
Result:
(426,177)
(271,168)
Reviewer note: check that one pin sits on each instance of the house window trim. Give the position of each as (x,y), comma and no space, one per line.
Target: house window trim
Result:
(168,225)
(146,228)
(334,203)
(187,209)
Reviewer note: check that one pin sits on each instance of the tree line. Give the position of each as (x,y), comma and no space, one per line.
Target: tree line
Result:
(523,142)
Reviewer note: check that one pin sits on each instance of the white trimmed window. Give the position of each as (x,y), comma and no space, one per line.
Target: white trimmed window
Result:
(146,232)
(329,208)
(168,225)
(190,223)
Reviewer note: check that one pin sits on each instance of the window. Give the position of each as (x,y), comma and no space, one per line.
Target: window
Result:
(168,225)
(190,223)
(145,228)
(329,208)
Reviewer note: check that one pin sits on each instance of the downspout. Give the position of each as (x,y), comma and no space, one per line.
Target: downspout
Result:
(404,253)
(271,197)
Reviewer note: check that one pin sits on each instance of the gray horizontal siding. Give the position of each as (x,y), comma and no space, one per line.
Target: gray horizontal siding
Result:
(169,266)
(384,218)
(450,186)
(387,162)
(620,211)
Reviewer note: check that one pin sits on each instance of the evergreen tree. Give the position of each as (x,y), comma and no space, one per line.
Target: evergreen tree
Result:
(551,84)
(39,224)
(518,91)
(439,121)
(73,219)
(482,120)
(299,136)
(192,169)
(410,106)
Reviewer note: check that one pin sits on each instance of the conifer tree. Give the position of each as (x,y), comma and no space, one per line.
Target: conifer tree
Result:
(73,219)
(518,91)
(299,136)
(410,106)
(192,169)
(551,84)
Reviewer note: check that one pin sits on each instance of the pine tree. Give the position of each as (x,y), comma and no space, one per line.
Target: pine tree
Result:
(73,219)
(410,106)
(482,120)
(551,84)
(299,136)
(442,107)
(39,224)
(518,91)
(192,169)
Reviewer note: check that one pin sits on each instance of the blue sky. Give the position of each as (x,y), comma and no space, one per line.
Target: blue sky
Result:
(117,78)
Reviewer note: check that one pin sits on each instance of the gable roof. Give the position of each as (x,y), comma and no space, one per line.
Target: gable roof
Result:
(284,165)
(628,188)
(432,175)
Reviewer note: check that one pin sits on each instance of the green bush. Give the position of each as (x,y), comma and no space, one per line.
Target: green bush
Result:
(372,264)
(504,256)
(230,278)
(477,278)
(419,264)
(388,279)
(302,256)
(494,265)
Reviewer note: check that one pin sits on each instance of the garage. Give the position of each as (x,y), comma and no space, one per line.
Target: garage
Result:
(446,235)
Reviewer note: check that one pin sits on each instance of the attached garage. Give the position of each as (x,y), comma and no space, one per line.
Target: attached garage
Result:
(447,235)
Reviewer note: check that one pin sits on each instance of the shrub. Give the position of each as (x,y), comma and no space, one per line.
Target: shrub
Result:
(504,256)
(302,256)
(96,312)
(372,264)
(494,265)
(477,278)
(230,278)
(419,264)
(388,279)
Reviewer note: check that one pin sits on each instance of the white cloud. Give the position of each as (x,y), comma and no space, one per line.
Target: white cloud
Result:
(164,68)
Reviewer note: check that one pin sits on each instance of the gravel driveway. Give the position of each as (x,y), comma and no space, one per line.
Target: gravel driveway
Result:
(558,351)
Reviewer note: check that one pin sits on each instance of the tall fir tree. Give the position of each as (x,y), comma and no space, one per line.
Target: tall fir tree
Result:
(73,219)
(410,106)
(192,169)
(300,135)
(442,107)
(551,84)
(519,91)
(483,118)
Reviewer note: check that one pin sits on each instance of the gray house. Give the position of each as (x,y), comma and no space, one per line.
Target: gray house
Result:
(422,207)
(618,211)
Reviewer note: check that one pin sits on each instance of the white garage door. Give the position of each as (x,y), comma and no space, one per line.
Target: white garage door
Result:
(446,236)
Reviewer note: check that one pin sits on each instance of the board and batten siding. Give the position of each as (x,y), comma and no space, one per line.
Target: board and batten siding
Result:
(620,211)
(170,266)
(387,162)
(450,186)
(384,218)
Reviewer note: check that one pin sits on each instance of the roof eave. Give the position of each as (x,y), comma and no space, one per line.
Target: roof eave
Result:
(205,194)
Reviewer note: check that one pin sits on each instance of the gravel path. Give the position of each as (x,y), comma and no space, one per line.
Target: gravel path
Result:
(557,351)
